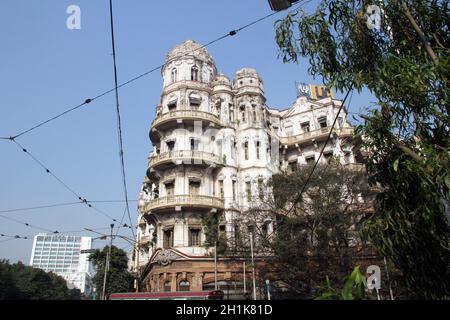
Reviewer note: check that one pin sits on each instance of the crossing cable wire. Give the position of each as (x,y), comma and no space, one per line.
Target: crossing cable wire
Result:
(321,152)
(121,222)
(41,207)
(89,100)
(119,125)
(15,236)
(59,180)
(61,205)
(29,237)
(229,34)
(59,233)
(29,224)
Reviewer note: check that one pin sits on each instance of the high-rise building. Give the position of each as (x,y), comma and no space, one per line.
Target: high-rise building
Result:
(61,255)
(215,145)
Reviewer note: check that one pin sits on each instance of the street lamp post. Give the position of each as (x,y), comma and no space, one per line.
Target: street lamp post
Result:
(215,265)
(268,288)
(253,266)
(108,256)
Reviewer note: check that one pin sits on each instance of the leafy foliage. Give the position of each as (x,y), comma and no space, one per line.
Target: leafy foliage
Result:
(406,65)
(354,288)
(319,232)
(118,278)
(316,235)
(212,236)
(21,282)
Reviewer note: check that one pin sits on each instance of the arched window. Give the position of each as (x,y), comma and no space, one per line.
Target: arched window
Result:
(258,153)
(195,101)
(246,150)
(172,103)
(248,190)
(173,75)
(184,286)
(167,286)
(194,73)
(261,188)
(242,113)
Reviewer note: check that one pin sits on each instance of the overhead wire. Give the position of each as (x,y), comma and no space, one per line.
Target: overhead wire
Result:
(60,205)
(28,224)
(82,199)
(89,100)
(119,125)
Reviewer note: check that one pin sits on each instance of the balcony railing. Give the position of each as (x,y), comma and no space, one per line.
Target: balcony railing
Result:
(183,201)
(185,114)
(316,134)
(185,157)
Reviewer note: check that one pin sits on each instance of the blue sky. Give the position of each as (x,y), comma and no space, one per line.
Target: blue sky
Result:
(46,68)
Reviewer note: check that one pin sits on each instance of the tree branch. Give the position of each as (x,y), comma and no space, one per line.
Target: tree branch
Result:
(419,31)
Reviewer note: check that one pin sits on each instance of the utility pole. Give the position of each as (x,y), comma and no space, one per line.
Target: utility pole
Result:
(268,288)
(389,280)
(215,258)
(253,266)
(108,257)
(215,265)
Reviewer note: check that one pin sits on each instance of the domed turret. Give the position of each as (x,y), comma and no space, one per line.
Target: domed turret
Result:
(188,61)
(222,79)
(247,77)
(189,48)
(221,84)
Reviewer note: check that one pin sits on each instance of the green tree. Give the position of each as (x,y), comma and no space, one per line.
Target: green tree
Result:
(406,65)
(211,224)
(354,288)
(118,279)
(315,236)
(8,289)
(19,281)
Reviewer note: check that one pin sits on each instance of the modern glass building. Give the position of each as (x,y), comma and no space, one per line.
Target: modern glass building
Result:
(61,255)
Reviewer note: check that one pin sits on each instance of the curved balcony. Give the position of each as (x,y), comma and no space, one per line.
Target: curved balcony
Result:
(183,201)
(317,135)
(185,157)
(173,118)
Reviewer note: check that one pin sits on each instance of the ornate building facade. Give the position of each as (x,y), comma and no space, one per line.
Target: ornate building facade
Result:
(215,145)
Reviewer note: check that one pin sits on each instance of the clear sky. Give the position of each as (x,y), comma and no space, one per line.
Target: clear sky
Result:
(46,68)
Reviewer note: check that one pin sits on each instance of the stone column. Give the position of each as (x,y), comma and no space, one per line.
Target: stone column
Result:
(174,282)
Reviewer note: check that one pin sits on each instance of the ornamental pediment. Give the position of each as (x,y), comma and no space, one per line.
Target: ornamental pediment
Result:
(165,257)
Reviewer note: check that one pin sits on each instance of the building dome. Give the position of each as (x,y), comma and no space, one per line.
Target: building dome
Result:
(192,48)
(246,72)
(222,79)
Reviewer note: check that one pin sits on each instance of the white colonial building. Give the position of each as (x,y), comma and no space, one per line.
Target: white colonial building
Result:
(215,145)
